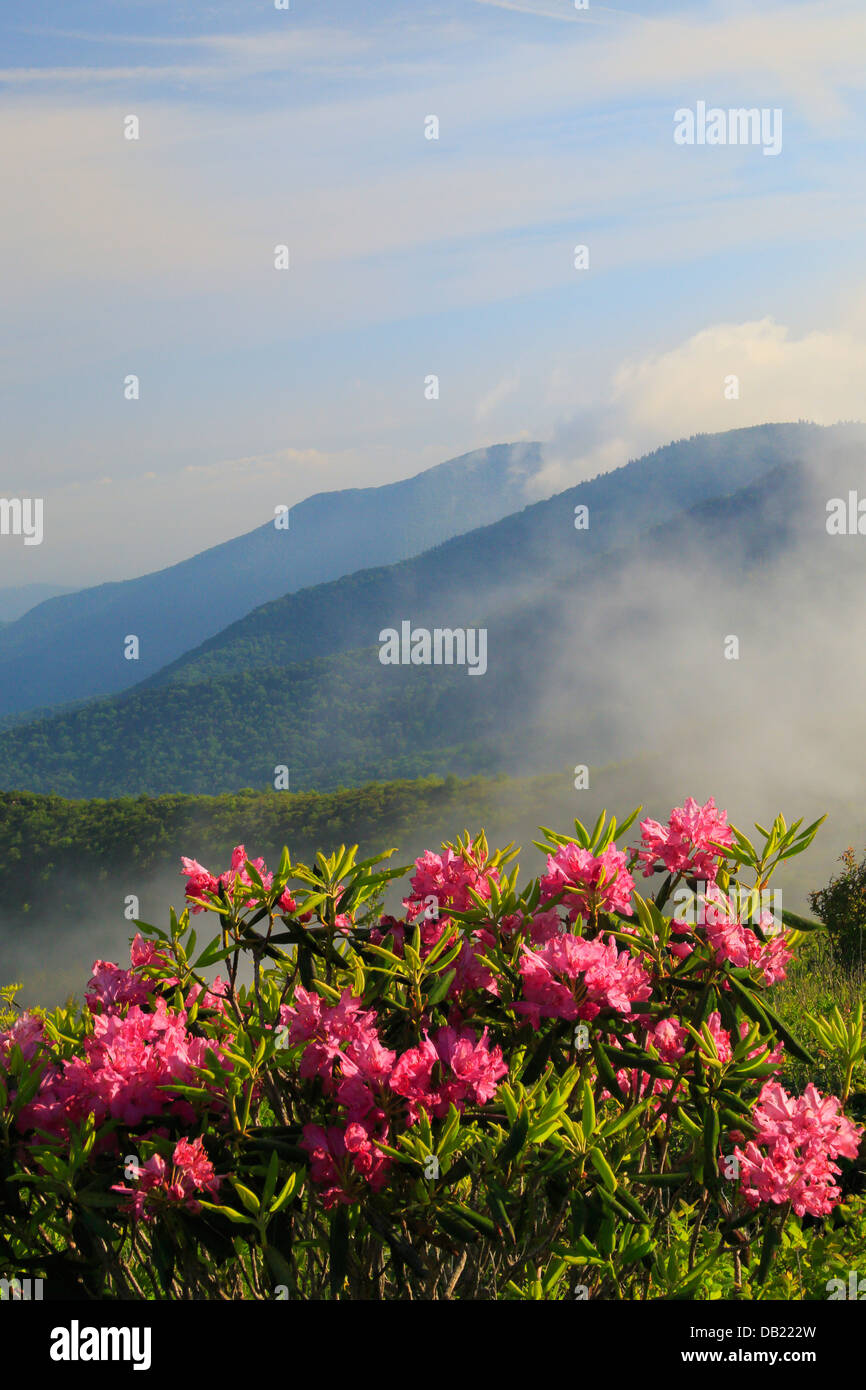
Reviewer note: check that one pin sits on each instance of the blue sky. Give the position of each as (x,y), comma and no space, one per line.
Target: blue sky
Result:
(408,256)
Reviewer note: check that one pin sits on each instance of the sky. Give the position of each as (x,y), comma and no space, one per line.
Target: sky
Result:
(408,257)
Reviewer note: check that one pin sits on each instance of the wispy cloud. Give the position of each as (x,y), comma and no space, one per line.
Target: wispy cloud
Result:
(224,58)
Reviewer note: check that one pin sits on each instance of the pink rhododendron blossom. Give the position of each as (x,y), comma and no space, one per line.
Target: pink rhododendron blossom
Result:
(146,955)
(735,941)
(447,877)
(720,1036)
(790,1159)
(28,1033)
(214,997)
(470,971)
(453,1066)
(594,884)
(329,1032)
(389,926)
(684,845)
(201,883)
(545,926)
(344,1161)
(110,987)
(669,1038)
(365,1071)
(156,1186)
(126,1061)
(143,952)
(608,979)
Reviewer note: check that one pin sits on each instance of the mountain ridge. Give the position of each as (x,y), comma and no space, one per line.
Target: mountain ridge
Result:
(70,647)
(341,718)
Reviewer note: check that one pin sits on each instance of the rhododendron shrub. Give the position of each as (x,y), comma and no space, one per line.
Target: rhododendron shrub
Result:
(507,1091)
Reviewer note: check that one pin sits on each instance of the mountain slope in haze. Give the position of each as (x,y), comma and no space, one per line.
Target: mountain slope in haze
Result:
(72,647)
(17,601)
(598,659)
(478,574)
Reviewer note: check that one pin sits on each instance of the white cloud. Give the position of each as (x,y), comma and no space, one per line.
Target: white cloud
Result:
(818,375)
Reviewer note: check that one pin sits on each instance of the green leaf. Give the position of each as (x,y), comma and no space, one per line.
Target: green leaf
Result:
(588,1110)
(629,821)
(605,1070)
(626,1118)
(633,1206)
(711,1141)
(745,843)
(278,1266)
(270,1179)
(458,1230)
(788,1038)
(516,1138)
(482,1224)
(749,1004)
(249,1199)
(212,953)
(237,1217)
(285,1194)
(772,1239)
(536,1064)
(441,987)
(792,919)
(603,1168)
(661,1179)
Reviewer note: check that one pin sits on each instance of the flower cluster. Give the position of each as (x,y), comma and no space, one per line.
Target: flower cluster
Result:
(26,1033)
(450,1068)
(346,1062)
(157,1186)
(110,987)
(687,844)
(591,883)
(331,1033)
(732,939)
(448,877)
(790,1159)
(343,1162)
(671,1040)
(342,1049)
(572,978)
(126,1063)
(369,1085)
(203,885)
(735,941)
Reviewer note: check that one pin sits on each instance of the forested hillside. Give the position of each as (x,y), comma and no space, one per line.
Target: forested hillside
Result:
(54,850)
(554,681)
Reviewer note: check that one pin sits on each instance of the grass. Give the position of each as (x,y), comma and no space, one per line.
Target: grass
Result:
(815,983)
